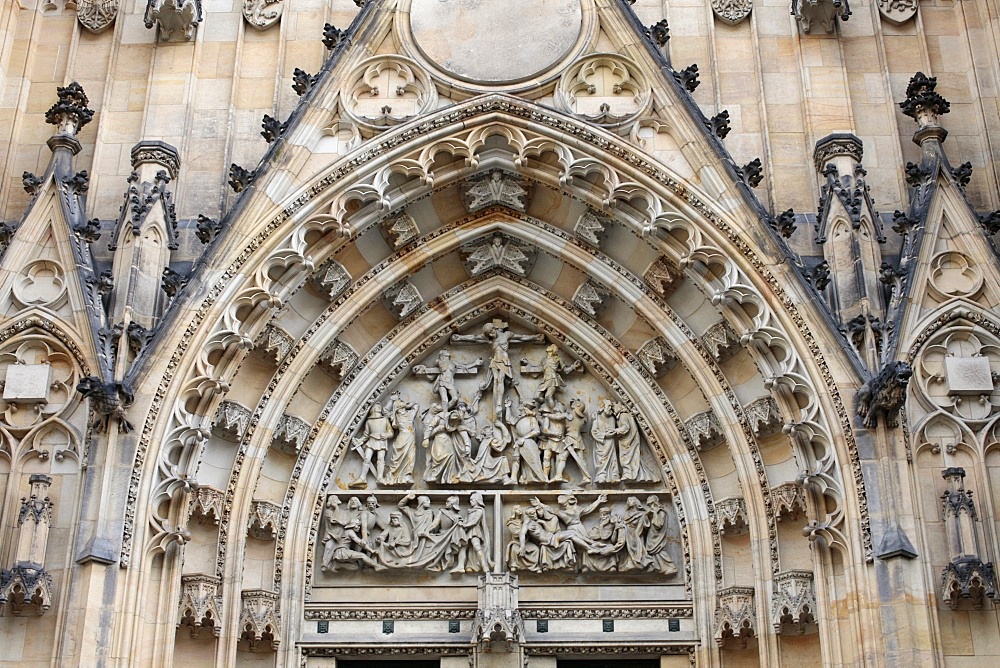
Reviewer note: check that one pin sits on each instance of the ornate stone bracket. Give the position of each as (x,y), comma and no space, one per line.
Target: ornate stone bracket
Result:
(663,276)
(402,299)
(499,252)
(763,416)
(260,623)
(201,604)
(331,279)
(793,603)
(732,516)
(176,19)
(657,356)
(789,500)
(231,421)
(495,188)
(274,342)
(592,228)
(338,358)
(291,433)
(735,617)
(400,230)
(591,298)
(265,518)
(27,583)
(720,340)
(498,623)
(968,578)
(705,430)
(207,505)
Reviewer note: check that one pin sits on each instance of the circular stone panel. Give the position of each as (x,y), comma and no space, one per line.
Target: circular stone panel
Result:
(495,42)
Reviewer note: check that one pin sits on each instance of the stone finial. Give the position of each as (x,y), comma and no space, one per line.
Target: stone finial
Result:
(27,582)
(923,104)
(70,112)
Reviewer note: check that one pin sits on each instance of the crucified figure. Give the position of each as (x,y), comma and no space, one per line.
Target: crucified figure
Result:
(499,373)
(444,376)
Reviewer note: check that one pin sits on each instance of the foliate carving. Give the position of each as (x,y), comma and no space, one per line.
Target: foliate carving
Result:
(201,604)
(338,358)
(897,11)
(735,617)
(732,514)
(884,395)
(302,81)
(763,416)
(704,429)
(26,584)
(793,603)
(387,90)
(260,623)
(265,518)
(720,339)
(272,128)
(177,20)
(789,500)
(402,299)
(274,342)
(968,578)
(592,228)
(240,178)
(591,298)
(400,230)
(496,187)
(262,14)
(333,37)
(820,13)
(96,16)
(291,433)
(719,124)
(70,112)
(923,104)
(688,77)
(657,356)
(604,88)
(499,252)
(231,420)
(731,11)
(207,505)
(663,276)
(498,619)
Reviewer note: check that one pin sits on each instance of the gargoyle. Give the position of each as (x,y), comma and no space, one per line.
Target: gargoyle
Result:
(107,400)
(884,395)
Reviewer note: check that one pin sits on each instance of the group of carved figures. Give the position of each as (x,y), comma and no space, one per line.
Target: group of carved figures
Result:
(536,442)
(542,538)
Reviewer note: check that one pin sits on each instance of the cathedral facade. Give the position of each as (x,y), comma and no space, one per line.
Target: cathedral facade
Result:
(535,334)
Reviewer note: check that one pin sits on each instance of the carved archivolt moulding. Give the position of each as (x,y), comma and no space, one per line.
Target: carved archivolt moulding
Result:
(262,14)
(387,90)
(735,617)
(201,603)
(604,88)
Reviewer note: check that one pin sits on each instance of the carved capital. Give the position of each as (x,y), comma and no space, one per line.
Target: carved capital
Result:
(836,145)
(793,603)
(201,604)
(260,623)
(735,617)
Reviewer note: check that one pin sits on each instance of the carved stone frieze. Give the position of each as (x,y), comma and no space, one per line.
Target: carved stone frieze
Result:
(231,420)
(96,16)
(592,228)
(274,343)
(338,358)
(704,429)
(400,230)
(663,276)
(763,416)
(207,504)
(789,500)
(260,623)
(331,279)
(402,299)
(262,14)
(176,20)
(793,603)
(731,11)
(499,251)
(265,518)
(496,187)
(657,356)
(201,604)
(591,298)
(735,617)
(732,514)
(291,433)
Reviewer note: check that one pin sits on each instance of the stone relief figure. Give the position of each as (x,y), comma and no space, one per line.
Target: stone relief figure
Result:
(553,439)
(449,444)
(525,451)
(575,419)
(444,376)
(490,463)
(374,441)
(657,537)
(604,430)
(475,556)
(499,373)
(629,451)
(404,447)
(553,369)
(342,541)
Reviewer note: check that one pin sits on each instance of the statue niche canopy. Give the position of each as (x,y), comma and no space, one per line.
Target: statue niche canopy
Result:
(498,452)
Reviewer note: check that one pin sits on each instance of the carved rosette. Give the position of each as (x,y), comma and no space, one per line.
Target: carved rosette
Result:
(231,421)
(201,604)
(400,230)
(331,279)
(402,299)
(260,623)
(763,416)
(732,516)
(789,500)
(96,16)
(731,11)
(663,276)
(495,188)
(605,89)
(265,518)
(720,340)
(387,90)
(274,342)
(499,252)
(262,14)
(657,356)
(291,433)
(704,429)
(793,603)
(207,505)
(338,358)
(735,617)
(591,298)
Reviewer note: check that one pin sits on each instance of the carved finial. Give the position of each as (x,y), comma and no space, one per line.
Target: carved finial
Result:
(783,223)
(302,81)
(70,113)
(922,103)
(719,124)
(207,229)
(688,77)
(990,222)
(659,32)
(90,231)
(752,173)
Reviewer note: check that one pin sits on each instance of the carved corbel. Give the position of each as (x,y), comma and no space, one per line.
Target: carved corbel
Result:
(663,276)
(704,429)
(494,188)
(592,228)
(400,230)
(657,356)
(231,421)
(260,623)
(720,340)
(763,416)
(820,13)
(27,582)
(793,603)
(732,516)
(402,299)
(265,518)
(789,500)
(207,505)
(591,298)
(337,359)
(735,617)
(498,621)
(201,604)
(290,434)
(274,342)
